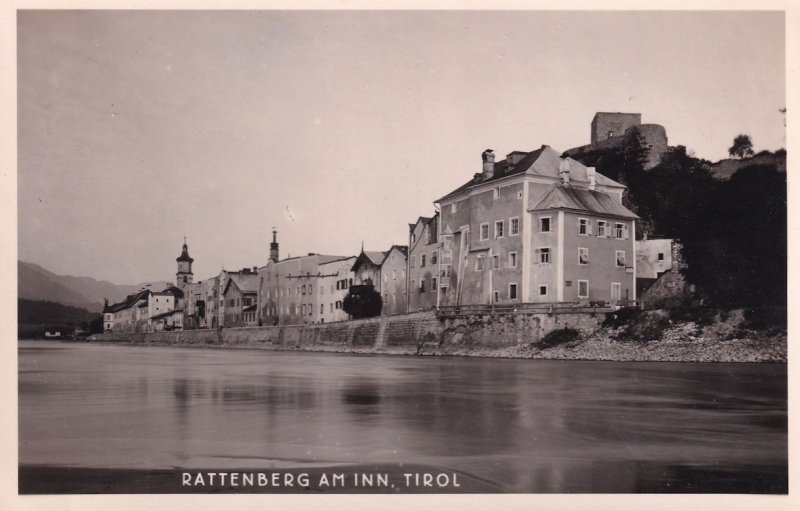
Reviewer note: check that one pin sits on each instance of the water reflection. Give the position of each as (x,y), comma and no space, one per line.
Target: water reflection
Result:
(534,426)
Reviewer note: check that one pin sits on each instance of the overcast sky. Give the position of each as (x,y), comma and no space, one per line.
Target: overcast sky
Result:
(137,128)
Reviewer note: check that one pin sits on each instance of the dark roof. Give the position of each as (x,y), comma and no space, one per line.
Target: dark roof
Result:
(184,254)
(128,302)
(544,162)
(501,169)
(249,308)
(172,291)
(576,199)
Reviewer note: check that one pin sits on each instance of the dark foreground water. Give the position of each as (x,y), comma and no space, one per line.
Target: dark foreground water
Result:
(107,418)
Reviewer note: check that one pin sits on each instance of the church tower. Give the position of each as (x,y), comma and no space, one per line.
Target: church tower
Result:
(273,247)
(184,275)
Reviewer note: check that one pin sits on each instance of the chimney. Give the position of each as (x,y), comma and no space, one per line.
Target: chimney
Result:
(592,175)
(488,164)
(563,171)
(273,247)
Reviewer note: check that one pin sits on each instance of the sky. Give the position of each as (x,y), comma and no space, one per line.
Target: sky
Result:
(137,128)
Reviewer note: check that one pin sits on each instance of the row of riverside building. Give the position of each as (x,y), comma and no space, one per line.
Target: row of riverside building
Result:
(535,227)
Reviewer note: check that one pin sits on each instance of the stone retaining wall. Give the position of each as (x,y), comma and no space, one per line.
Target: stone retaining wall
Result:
(416,333)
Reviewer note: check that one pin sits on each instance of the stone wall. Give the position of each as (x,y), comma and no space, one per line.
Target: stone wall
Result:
(416,333)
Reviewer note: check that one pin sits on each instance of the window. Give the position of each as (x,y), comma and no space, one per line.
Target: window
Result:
(303,288)
(661,256)
(479,262)
(610,134)
(495,296)
(512,291)
(513,226)
(413,261)
(484,232)
(394,274)
(583,226)
(385,277)
(542,290)
(303,310)
(434,257)
(413,283)
(601,228)
(496,193)
(421,285)
(544,255)
(422,261)
(498,229)
(619,231)
(495,262)
(331,307)
(620,257)
(454,207)
(583,256)
(466,235)
(413,237)
(519,195)
(583,289)
(433,284)
(544,224)
(512,260)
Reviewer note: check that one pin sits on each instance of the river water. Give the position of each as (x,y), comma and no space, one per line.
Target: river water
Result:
(517,425)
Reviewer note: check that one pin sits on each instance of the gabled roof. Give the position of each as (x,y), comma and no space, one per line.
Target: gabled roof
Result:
(373,257)
(576,199)
(544,162)
(403,249)
(247,283)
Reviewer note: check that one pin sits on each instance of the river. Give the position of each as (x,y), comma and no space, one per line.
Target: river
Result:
(514,425)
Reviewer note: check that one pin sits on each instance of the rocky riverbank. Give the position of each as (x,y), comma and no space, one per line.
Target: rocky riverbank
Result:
(668,336)
(714,336)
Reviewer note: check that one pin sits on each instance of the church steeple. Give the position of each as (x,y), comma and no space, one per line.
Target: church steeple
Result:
(273,247)
(184,275)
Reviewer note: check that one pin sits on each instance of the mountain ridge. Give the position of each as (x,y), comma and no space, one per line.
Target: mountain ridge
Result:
(37,283)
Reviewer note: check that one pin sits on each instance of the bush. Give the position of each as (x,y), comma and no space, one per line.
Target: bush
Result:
(557,338)
(768,318)
(362,302)
(702,316)
(621,317)
(647,327)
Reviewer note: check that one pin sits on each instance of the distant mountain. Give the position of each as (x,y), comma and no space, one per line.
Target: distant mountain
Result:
(37,283)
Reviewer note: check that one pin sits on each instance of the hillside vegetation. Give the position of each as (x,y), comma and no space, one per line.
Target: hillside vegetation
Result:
(35,317)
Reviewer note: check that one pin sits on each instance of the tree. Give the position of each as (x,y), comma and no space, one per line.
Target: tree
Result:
(362,302)
(742,146)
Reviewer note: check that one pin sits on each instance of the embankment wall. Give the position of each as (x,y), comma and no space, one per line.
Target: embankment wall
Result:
(415,333)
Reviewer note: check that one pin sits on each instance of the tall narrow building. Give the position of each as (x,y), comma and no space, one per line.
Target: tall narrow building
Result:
(184,276)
